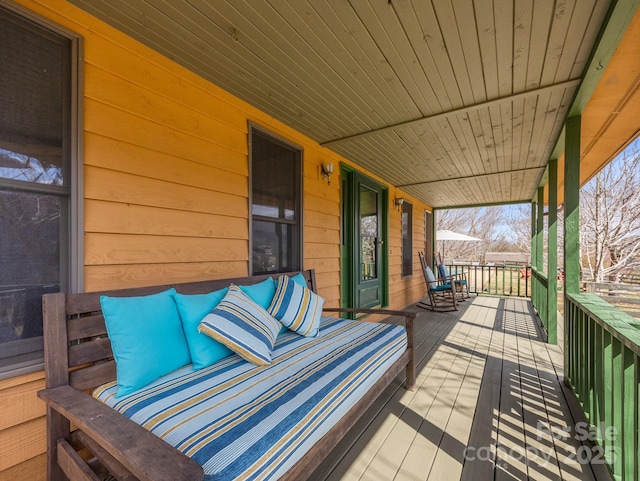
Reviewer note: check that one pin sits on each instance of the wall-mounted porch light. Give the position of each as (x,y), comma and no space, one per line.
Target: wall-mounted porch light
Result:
(327,170)
(398,203)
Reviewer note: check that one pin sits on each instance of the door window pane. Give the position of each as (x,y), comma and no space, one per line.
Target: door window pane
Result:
(368,234)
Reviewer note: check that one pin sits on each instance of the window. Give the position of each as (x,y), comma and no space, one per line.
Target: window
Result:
(35,183)
(407,239)
(276,204)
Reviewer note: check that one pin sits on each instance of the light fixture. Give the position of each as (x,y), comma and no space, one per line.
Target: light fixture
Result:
(326,171)
(398,202)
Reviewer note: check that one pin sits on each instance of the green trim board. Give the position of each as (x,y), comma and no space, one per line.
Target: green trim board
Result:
(540,231)
(552,255)
(615,25)
(572,206)
(474,206)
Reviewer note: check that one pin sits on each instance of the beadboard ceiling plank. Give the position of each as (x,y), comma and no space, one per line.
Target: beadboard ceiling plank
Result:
(464,12)
(412,20)
(323,39)
(517,119)
(582,14)
(270,38)
(383,25)
(503,12)
(452,43)
(541,21)
(488,47)
(345,23)
(190,45)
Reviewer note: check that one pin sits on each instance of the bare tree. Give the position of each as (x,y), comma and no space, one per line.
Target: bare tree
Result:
(483,222)
(519,223)
(610,218)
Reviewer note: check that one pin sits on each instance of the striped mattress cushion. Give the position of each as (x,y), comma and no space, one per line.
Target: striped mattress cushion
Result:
(242,421)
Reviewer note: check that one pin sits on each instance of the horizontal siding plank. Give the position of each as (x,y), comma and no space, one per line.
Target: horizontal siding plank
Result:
(323,266)
(314,250)
(119,218)
(322,220)
(167,80)
(328,204)
(112,249)
(19,404)
(103,119)
(22,442)
(19,380)
(321,235)
(101,184)
(125,157)
(143,102)
(33,469)
(98,278)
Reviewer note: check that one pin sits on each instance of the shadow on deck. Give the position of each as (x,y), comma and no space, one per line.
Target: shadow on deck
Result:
(489,404)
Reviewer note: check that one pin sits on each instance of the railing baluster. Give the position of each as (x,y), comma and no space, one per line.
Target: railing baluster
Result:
(598,409)
(608,391)
(593,331)
(629,415)
(614,457)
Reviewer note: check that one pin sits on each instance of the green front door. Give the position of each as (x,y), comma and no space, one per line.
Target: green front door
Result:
(364,258)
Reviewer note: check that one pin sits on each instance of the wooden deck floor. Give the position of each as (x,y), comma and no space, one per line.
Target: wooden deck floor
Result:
(489,405)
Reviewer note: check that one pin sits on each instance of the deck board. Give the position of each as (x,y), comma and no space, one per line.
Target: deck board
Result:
(489,404)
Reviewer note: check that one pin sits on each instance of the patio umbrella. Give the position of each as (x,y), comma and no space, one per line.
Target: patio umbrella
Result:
(445,235)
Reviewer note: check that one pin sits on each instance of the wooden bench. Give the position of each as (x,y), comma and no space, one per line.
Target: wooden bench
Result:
(84,436)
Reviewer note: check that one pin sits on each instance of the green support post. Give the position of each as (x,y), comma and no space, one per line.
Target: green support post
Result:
(540,231)
(534,288)
(572,206)
(541,295)
(552,258)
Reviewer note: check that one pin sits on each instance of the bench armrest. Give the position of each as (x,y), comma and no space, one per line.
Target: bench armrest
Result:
(360,310)
(145,455)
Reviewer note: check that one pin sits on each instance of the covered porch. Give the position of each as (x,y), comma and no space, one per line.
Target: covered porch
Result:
(444,104)
(490,403)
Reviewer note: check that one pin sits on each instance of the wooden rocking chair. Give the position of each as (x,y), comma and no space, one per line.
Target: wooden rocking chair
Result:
(442,294)
(459,279)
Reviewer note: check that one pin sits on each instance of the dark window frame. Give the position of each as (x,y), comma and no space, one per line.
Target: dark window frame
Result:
(297,223)
(407,238)
(26,355)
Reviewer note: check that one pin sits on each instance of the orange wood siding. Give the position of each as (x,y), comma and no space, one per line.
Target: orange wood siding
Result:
(166,196)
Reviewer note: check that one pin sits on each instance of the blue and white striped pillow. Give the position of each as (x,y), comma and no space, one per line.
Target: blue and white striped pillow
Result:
(243,326)
(296,307)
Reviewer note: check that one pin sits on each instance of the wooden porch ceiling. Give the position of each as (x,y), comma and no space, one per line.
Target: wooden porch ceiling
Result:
(457,102)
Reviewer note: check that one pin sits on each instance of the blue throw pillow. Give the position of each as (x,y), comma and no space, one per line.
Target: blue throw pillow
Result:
(297,307)
(193,308)
(243,326)
(146,338)
(262,292)
(299,278)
